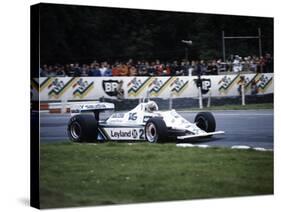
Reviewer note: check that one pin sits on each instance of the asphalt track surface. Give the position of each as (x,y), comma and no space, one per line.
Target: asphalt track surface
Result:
(253,128)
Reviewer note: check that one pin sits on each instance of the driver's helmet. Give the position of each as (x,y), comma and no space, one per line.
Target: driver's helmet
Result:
(151,106)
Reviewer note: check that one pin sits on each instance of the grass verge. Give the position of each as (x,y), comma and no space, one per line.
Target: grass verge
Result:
(118,173)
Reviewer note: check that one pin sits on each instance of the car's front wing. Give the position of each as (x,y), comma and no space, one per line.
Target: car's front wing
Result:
(199,135)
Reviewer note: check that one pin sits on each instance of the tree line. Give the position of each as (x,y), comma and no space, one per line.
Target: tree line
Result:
(70,33)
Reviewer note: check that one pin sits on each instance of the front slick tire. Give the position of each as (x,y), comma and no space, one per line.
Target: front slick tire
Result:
(82,128)
(205,121)
(156,130)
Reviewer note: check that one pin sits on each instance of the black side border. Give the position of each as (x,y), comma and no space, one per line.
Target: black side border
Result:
(34,113)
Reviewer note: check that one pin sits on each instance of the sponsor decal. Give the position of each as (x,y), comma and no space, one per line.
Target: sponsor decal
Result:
(264,82)
(120,134)
(45,83)
(133,116)
(123,133)
(135,133)
(248,81)
(58,87)
(111,87)
(178,85)
(82,88)
(137,85)
(158,85)
(145,118)
(226,83)
(204,83)
(93,106)
(118,115)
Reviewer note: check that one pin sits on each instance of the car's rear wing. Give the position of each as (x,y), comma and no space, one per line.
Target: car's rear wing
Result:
(95,107)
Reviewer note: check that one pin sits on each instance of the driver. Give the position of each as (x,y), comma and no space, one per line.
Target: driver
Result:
(151,106)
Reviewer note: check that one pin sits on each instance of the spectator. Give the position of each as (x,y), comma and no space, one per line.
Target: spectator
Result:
(268,63)
(51,71)
(159,68)
(151,71)
(70,70)
(221,67)
(67,70)
(237,66)
(180,69)
(191,68)
(77,70)
(60,71)
(261,65)
(200,68)
(44,71)
(253,64)
(166,70)
(142,70)
(84,70)
(103,68)
(247,63)
(123,70)
(94,70)
(132,71)
(108,72)
(209,68)
(174,68)
(185,67)
(155,68)
(214,68)
(115,70)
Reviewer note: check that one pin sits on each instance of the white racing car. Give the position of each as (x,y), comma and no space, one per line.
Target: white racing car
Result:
(144,122)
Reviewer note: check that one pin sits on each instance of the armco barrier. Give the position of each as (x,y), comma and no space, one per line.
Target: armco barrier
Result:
(94,88)
(178,103)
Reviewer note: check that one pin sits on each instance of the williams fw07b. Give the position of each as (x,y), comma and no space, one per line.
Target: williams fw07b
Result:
(144,122)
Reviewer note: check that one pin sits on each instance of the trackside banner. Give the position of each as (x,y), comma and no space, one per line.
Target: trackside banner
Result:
(92,88)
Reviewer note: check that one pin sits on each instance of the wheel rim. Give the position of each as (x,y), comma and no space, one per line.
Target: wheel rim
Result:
(202,123)
(75,130)
(151,132)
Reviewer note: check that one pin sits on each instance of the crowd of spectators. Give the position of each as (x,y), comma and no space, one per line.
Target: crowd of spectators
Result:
(252,64)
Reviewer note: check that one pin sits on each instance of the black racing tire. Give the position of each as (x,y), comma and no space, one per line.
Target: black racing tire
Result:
(82,128)
(205,121)
(155,130)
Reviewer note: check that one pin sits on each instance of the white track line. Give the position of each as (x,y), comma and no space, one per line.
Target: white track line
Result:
(240,147)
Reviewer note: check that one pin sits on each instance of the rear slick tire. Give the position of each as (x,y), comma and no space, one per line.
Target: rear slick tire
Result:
(82,128)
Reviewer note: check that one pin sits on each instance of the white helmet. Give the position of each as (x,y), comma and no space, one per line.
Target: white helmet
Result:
(151,106)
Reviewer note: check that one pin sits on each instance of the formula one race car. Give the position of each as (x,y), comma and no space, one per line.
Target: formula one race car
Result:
(144,122)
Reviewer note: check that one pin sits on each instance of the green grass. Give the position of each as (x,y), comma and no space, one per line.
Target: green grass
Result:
(118,173)
(238,107)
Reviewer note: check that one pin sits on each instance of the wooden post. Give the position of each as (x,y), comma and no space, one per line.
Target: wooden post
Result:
(243,93)
(200,98)
(209,98)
